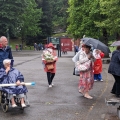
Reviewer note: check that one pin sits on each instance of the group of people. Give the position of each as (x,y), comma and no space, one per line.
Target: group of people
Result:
(9,75)
(18,47)
(93,73)
(88,76)
(38,47)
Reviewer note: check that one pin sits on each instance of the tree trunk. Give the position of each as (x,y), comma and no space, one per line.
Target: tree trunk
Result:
(105,36)
(117,36)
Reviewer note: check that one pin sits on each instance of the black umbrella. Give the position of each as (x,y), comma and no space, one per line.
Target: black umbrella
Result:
(96,44)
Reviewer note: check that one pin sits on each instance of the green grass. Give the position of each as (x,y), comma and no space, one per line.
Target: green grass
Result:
(13,42)
(61,35)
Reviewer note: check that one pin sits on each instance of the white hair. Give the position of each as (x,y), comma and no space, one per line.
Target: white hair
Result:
(2,37)
(6,61)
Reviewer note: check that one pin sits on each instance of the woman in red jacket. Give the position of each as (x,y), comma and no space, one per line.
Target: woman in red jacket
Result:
(98,64)
(49,59)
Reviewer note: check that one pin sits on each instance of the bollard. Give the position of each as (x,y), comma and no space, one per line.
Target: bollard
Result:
(118,112)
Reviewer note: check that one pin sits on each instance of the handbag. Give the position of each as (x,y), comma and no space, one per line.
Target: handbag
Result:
(50,66)
(76,72)
(83,66)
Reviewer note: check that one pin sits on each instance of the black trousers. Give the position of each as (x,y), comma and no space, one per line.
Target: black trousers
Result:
(50,77)
(116,86)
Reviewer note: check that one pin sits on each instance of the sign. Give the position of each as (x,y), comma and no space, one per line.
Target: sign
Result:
(66,44)
(54,40)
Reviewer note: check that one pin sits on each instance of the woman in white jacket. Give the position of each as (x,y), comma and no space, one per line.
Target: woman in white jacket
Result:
(86,77)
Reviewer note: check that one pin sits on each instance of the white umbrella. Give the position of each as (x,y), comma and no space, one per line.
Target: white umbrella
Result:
(116,43)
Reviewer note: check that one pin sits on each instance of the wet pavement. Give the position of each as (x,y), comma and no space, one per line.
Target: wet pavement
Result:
(63,101)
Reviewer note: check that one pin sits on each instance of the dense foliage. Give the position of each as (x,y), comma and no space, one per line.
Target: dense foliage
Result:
(95,18)
(39,19)
(34,19)
(9,15)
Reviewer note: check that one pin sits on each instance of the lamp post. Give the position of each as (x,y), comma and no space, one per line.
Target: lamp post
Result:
(8,36)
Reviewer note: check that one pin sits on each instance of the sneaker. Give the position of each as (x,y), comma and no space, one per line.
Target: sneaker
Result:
(50,86)
(14,105)
(101,80)
(95,80)
(23,105)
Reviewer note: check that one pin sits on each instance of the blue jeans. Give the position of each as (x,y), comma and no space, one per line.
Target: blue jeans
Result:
(98,76)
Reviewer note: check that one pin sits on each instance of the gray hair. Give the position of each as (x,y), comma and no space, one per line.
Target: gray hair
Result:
(2,37)
(6,61)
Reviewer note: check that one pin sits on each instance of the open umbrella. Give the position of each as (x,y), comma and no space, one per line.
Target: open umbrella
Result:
(96,44)
(116,43)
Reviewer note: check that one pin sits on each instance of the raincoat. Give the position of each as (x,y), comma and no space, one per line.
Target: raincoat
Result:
(5,54)
(114,67)
(55,59)
(98,63)
(12,77)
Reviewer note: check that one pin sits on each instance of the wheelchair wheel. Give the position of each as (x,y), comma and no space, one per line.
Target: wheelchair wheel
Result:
(22,109)
(4,107)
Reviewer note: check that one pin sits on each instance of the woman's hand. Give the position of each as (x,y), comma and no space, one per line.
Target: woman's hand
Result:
(49,61)
(90,56)
(7,69)
(18,82)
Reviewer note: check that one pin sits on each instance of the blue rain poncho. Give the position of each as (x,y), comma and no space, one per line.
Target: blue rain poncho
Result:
(12,77)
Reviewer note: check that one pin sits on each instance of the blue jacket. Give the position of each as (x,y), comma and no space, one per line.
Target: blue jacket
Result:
(114,67)
(12,77)
(5,54)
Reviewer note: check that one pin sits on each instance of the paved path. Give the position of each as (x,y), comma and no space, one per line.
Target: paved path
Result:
(63,101)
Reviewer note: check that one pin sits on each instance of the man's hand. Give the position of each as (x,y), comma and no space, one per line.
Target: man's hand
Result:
(18,82)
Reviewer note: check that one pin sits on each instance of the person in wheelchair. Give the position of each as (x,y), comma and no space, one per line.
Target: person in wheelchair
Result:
(10,75)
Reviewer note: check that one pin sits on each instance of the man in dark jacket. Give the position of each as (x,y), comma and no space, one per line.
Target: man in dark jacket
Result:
(5,50)
(114,69)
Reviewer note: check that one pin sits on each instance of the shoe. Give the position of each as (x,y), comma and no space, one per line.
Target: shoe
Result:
(112,92)
(23,105)
(101,80)
(95,80)
(14,105)
(50,86)
(88,97)
(81,92)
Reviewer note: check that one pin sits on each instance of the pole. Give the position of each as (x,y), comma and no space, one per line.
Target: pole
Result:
(8,36)
(60,45)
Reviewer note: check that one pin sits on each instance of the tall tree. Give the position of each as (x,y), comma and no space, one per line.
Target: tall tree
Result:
(9,15)
(46,20)
(75,18)
(110,9)
(84,17)
(59,13)
(30,20)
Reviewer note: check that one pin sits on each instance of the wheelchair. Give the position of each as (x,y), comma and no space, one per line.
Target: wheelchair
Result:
(6,102)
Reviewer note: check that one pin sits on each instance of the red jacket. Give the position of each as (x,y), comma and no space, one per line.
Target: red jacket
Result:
(54,64)
(98,64)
